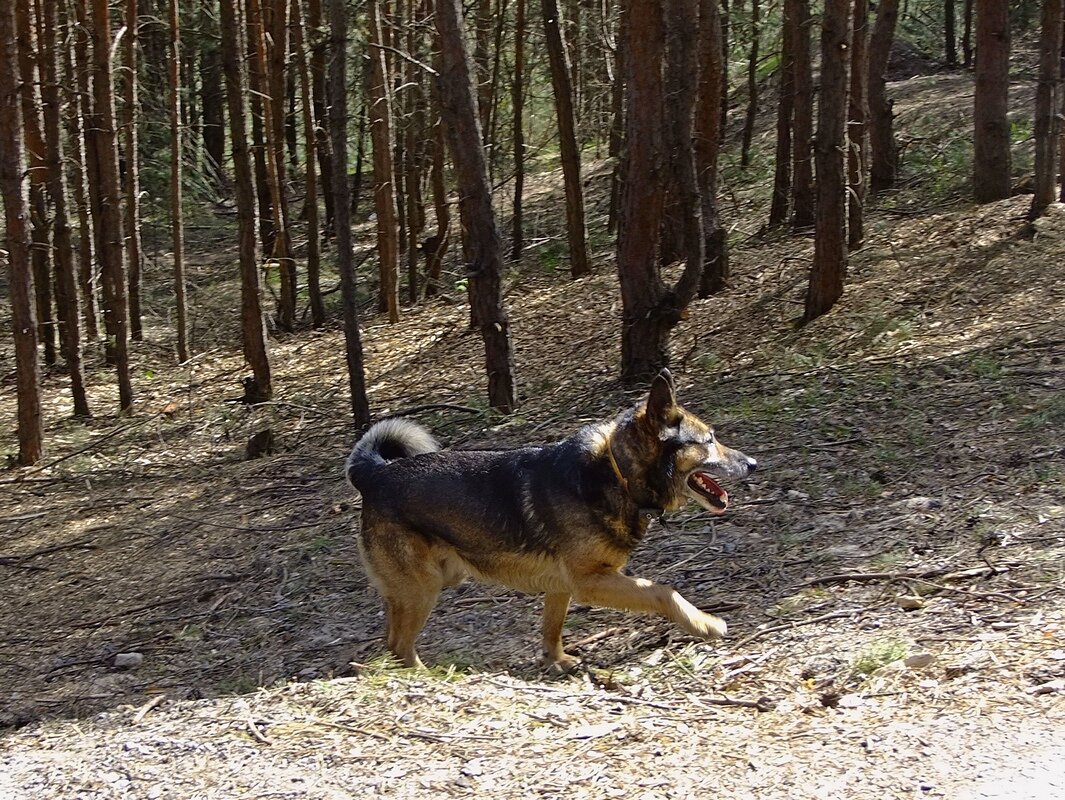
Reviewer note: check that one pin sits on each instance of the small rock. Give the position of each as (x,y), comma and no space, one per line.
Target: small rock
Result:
(909,602)
(127,660)
(921,503)
(919,660)
(1055,686)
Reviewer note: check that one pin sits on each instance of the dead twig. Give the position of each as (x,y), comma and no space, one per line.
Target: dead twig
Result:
(144,710)
(944,572)
(797,624)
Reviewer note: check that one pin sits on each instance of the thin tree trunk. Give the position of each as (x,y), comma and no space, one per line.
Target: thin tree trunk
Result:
(778,209)
(752,85)
(483,244)
(802,180)
(441,239)
(20,278)
(256,89)
(1047,123)
(708,137)
(107,216)
(338,121)
(316,40)
(617,118)
(967,35)
(131,174)
(40,251)
(517,102)
(384,197)
(253,323)
(76,84)
(177,225)
(829,267)
(991,131)
(360,157)
(212,98)
(570,153)
(858,113)
(950,36)
(415,136)
(883,151)
(314,239)
(66,287)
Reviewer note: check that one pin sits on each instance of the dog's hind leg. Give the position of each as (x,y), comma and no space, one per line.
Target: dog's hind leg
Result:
(556,605)
(406,615)
(614,590)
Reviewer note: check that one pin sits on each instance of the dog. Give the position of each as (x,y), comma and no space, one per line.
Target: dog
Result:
(559,519)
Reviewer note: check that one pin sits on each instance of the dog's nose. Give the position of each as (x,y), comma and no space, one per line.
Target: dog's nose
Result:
(752,465)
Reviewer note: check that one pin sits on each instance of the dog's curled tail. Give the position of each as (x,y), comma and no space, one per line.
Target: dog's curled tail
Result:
(386,441)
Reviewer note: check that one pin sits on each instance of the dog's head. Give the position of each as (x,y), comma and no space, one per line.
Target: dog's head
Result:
(673,455)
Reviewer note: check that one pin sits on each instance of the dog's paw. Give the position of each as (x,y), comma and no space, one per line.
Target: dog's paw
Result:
(560,665)
(708,626)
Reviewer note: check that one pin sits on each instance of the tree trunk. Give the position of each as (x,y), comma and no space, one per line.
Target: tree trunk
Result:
(131,174)
(40,251)
(778,209)
(76,93)
(273,120)
(441,239)
(1047,124)
(66,287)
(314,239)
(617,116)
(383,175)
(561,81)
(338,134)
(314,36)
(884,154)
(177,225)
(415,137)
(253,323)
(991,131)
(802,176)
(858,113)
(950,38)
(483,244)
(107,215)
(829,267)
(752,85)
(517,101)
(212,98)
(967,35)
(645,320)
(708,136)
(20,278)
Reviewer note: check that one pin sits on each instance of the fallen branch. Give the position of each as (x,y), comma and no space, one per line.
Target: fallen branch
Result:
(84,544)
(944,572)
(143,711)
(796,624)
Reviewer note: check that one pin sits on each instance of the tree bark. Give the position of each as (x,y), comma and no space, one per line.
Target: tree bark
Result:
(1047,123)
(829,267)
(483,244)
(131,174)
(858,113)
(212,98)
(314,239)
(40,251)
(253,323)
(561,81)
(383,172)
(20,278)
(177,224)
(517,102)
(107,214)
(950,36)
(967,35)
(442,210)
(883,152)
(708,136)
(991,128)
(76,86)
(752,85)
(66,287)
(314,37)
(778,209)
(338,121)
(617,115)
(802,180)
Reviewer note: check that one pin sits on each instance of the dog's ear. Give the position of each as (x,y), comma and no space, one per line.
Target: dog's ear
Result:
(662,399)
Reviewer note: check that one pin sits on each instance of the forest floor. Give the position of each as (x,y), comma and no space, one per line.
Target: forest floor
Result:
(892,576)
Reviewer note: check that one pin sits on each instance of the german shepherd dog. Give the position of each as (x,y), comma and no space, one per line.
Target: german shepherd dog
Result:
(560,518)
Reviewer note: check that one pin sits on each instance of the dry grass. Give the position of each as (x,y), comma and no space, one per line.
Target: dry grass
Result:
(911,434)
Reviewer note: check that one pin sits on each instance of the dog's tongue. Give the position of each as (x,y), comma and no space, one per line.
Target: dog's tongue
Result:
(709,488)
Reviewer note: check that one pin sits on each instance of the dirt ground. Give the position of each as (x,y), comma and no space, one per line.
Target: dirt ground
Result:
(892,575)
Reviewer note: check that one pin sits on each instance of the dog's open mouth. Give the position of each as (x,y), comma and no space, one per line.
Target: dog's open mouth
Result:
(709,490)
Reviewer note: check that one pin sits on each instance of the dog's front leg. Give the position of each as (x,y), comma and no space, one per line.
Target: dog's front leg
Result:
(556,605)
(614,590)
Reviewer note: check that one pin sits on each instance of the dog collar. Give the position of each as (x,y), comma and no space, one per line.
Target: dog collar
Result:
(617,470)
